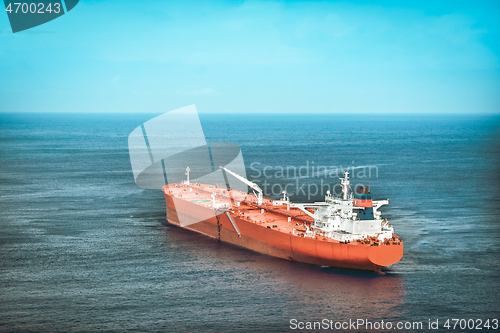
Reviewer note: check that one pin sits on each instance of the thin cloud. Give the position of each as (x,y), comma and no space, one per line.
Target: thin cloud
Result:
(203,91)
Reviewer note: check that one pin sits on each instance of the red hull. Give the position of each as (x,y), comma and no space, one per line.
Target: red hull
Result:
(280,241)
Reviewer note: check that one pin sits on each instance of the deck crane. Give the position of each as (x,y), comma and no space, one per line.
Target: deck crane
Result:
(252,185)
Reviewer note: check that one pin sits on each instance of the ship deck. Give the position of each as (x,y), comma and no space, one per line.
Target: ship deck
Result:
(272,214)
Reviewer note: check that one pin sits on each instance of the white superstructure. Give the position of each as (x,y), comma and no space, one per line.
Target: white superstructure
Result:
(348,218)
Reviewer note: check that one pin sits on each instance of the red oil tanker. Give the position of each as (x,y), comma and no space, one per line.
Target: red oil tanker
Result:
(345,232)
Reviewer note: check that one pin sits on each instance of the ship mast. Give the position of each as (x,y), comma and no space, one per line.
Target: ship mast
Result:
(345,185)
(187,174)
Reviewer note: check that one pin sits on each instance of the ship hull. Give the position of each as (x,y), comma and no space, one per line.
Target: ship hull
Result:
(273,242)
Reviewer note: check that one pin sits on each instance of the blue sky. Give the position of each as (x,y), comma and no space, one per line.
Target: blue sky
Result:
(257,56)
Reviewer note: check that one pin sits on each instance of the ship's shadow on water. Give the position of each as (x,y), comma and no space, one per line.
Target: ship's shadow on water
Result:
(307,292)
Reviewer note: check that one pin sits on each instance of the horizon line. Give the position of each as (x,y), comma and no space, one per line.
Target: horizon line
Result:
(258,113)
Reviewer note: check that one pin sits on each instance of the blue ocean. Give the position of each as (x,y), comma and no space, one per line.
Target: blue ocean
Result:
(83,248)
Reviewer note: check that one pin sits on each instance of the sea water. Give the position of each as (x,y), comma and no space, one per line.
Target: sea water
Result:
(82,248)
